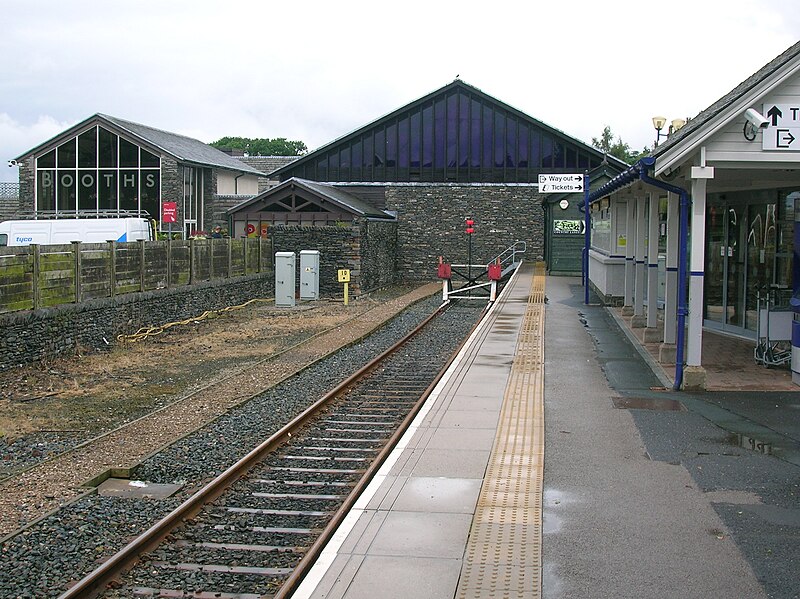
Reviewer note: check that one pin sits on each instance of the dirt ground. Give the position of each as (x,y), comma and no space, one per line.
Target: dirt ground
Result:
(89,393)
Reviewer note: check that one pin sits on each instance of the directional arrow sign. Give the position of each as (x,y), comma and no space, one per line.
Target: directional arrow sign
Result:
(571,183)
(783,133)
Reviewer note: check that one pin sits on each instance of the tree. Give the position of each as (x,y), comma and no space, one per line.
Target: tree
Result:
(279,146)
(618,149)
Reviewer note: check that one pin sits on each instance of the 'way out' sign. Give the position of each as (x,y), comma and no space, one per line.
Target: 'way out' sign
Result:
(560,183)
(783,132)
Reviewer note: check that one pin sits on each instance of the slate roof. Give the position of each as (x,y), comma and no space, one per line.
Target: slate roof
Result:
(332,193)
(727,100)
(184,149)
(455,85)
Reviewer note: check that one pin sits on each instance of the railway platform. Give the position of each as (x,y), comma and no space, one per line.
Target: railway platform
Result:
(638,491)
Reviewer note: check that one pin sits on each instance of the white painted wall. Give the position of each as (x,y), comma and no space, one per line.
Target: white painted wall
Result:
(227,184)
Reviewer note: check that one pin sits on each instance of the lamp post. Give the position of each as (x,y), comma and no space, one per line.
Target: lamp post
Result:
(660,121)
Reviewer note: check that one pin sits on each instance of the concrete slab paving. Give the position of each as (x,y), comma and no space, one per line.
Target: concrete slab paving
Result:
(618,524)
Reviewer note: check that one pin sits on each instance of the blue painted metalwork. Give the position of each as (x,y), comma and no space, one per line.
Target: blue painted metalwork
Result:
(588,238)
(639,171)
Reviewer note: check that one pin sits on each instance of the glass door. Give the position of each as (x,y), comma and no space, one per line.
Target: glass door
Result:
(741,239)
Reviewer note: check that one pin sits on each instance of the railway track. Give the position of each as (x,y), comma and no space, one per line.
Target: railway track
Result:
(253,530)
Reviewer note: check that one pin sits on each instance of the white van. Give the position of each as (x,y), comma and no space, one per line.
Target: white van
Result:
(61,231)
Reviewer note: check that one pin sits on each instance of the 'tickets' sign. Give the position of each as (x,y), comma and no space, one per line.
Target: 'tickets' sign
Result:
(169,212)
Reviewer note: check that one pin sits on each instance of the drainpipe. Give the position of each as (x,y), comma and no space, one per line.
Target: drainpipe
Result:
(683,239)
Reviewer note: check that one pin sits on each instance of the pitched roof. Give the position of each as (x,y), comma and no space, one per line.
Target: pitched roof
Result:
(336,195)
(456,85)
(183,148)
(719,107)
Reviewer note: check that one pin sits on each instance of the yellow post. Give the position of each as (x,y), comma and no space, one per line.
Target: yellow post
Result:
(344,277)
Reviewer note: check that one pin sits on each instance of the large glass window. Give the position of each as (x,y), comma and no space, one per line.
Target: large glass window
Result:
(457,136)
(98,170)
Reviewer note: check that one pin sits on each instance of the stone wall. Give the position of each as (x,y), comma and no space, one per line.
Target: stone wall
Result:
(431,223)
(367,248)
(378,254)
(41,334)
(338,248)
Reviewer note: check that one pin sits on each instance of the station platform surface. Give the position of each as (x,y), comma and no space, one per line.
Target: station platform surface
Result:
(621,501)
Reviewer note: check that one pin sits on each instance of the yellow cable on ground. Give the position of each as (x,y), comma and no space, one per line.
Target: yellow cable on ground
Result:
(146,332)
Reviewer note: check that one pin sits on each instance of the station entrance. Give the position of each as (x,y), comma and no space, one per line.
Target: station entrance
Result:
(749,243)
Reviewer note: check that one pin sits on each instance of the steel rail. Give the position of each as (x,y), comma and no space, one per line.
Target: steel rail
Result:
(313,552)
(94,583)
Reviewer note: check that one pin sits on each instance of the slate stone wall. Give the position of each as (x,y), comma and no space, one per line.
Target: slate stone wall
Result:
(367,248)
(431,223)
(41,334)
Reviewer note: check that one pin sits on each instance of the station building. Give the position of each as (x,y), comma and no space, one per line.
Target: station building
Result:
(109,164)
(453,154)
(710,212)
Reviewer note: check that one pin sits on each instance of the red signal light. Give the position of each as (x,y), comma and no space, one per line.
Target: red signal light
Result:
(470,226)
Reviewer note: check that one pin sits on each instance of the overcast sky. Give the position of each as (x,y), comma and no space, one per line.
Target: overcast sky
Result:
(316,70)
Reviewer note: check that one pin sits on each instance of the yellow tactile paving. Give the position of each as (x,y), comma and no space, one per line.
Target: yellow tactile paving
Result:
(503,557)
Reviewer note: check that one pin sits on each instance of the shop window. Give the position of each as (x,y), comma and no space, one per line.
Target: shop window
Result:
(47,160)
(87,149)
(66,154)
(107,190)
(107,143)
(128,154)
(149,160)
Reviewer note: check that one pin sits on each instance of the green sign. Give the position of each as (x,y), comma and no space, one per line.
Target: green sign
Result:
(568,227)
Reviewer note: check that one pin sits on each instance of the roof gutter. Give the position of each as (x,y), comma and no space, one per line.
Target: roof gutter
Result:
(639,171)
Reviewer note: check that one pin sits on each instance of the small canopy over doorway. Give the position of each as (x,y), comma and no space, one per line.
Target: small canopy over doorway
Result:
(298,202)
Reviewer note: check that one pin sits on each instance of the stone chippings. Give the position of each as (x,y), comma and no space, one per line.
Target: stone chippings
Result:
(62,547)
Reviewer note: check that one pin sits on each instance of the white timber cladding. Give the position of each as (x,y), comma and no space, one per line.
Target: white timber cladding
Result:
(723,138)
(230,183)
(730,145)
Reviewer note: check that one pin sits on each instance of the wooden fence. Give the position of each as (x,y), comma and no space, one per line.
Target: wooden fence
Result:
(42,276)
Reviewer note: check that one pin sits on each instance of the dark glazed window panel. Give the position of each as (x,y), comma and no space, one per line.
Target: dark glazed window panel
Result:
(128,153)
(488,137)
(380,148)
(594,163)
(536,149)
(46,188)
(499,139)
(356,154)
(150,160)
(150,193)
(558,155)
(402,143)
(87,190)
(107,185)
(67,154)
(108,148)
(511,142)
(415,148)
(369,152)
(475,135)
(439,132)
(524,146)
(333,160)
(463,131)
(66,198)
(344,158)
(547,151)
(452,131)
(129,190)
(583,160)
(572,157)
(427,137)
(87,148)
(47,160)
(391,145)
